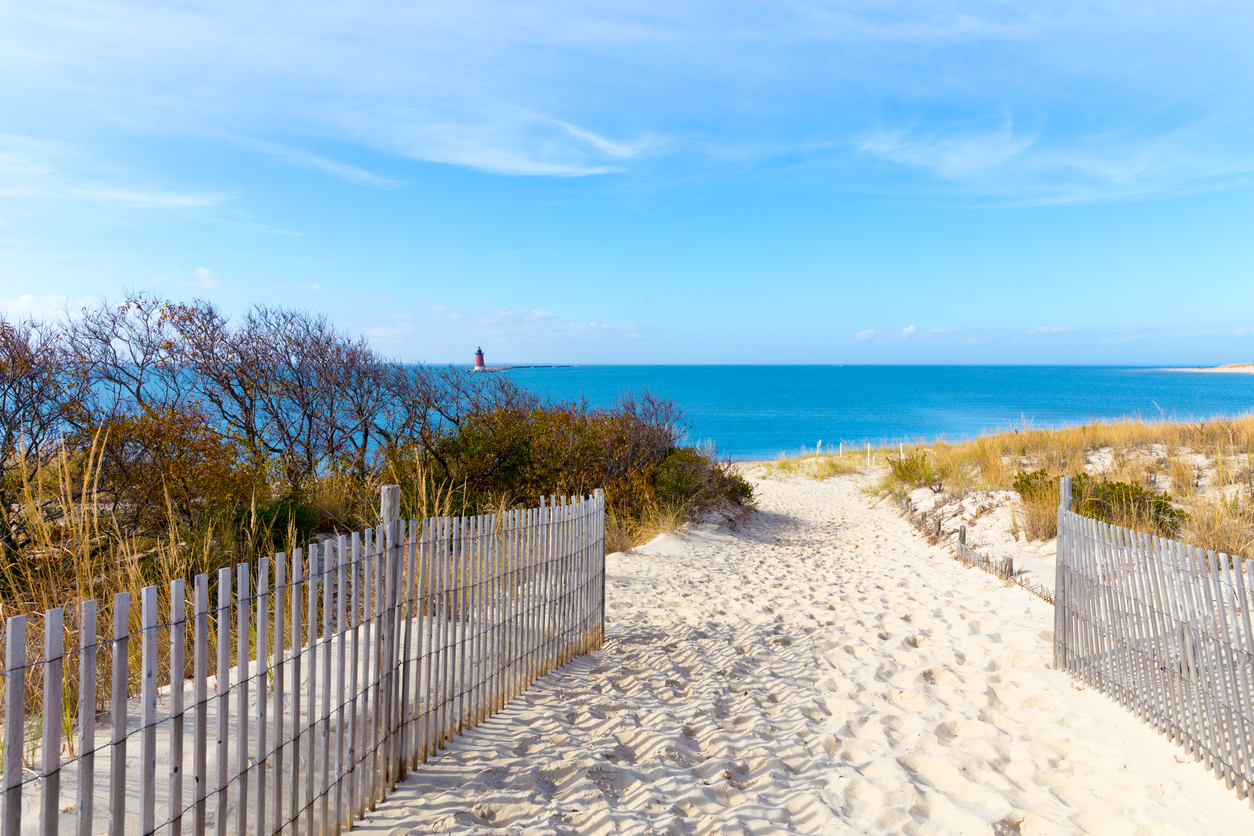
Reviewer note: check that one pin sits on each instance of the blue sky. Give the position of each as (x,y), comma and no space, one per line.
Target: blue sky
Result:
(743,182)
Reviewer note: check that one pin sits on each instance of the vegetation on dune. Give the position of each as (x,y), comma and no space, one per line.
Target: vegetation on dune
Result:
(1191,481)
(148,440)
(817,465)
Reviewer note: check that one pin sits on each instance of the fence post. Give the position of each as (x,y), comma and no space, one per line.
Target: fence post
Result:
(1061,557)
(962,536)
(389,504)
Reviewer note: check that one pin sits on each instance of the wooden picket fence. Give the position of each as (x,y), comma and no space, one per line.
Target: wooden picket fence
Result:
(1164,628)
(337,670)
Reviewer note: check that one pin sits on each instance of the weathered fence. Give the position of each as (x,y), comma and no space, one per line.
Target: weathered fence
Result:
(334,671)
(1164,628)
(1002,567)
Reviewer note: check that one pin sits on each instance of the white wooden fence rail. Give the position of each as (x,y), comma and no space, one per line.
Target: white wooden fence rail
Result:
(1164,628)
(337,670)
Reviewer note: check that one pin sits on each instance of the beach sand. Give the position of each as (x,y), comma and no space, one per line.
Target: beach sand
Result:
(821,670)
(1230,368)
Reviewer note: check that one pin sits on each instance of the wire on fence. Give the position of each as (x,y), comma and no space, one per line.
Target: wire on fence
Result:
(337,671)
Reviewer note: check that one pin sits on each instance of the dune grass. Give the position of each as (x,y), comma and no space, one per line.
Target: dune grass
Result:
(813,465)
(1205,469)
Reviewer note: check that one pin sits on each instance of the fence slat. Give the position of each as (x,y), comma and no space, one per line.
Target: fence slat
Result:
(178,680)
(327,565)
(148,711)
(262,621)
(14,721)
(388,562)
(200,668)
(311,648)
(354,619)
(297,646)
(342,635)
(280,671)
(117,711)
(374,666)
(222,681)
(408,737)
(242,676)
(54,682)
(365,745)
(86,716)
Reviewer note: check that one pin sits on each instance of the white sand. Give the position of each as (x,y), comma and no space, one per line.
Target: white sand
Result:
(1230,368)
(821,671)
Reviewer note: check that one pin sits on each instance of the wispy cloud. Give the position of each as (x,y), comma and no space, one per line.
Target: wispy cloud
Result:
(33,168)
(952,156)
(308,159)
(1008,99)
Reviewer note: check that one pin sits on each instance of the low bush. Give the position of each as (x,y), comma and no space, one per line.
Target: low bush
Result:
(914,470)
(1117,503)
(1126,505)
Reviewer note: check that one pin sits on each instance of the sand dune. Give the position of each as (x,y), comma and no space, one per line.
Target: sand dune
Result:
(822,670)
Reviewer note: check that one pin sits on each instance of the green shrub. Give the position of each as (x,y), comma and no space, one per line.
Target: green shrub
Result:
(1117,503)
(1037,485)
(1126,505)
(914,470)
(272,522)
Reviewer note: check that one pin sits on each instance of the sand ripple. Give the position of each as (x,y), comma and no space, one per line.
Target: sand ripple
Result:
(821,671)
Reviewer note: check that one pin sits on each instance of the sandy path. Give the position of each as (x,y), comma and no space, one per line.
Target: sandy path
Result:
(820,671)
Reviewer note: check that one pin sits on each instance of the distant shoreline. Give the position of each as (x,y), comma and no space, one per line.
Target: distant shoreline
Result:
(1230,368)
(496,369)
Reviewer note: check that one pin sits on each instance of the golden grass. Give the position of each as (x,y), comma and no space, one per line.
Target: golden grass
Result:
(814,465)
(622,534)
(1206,466)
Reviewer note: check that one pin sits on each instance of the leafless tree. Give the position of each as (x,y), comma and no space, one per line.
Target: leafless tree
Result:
(39,388)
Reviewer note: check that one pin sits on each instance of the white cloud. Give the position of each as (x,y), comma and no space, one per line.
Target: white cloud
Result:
(866,334)
(312,287)
(908,330)
(206,278)
(1045,329)
(31,306)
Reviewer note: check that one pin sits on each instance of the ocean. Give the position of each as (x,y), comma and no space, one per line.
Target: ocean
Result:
(759,412)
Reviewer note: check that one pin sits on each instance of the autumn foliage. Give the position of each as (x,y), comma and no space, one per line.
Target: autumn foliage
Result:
(171,432)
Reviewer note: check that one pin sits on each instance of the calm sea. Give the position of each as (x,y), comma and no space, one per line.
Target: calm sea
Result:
(757,412)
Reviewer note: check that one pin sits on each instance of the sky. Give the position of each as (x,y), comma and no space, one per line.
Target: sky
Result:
(591,182)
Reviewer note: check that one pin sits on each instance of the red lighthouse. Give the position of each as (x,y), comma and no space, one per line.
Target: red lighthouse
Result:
(479,359)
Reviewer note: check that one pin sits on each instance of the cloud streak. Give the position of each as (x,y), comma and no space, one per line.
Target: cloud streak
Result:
(1066,103)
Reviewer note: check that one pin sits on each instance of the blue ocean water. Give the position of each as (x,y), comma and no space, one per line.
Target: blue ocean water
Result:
(757,412)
